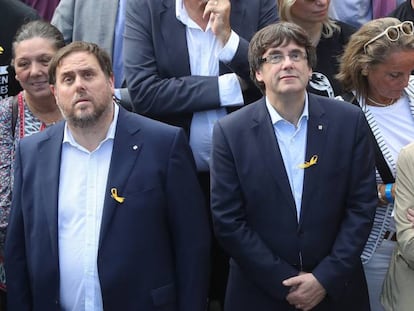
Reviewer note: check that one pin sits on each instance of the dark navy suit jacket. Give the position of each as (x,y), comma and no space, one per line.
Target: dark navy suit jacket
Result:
(254,210)
(154,247)
(156,60)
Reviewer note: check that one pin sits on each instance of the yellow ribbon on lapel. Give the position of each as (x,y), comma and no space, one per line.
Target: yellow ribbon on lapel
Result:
(114,195)
(1,50)
(311,162)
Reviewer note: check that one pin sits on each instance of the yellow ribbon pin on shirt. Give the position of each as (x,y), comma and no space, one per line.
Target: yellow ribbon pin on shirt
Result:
(311,162)
(114,195)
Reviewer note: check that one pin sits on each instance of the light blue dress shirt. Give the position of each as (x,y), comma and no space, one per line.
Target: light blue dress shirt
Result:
(353,12)
(292,144)
(117,58)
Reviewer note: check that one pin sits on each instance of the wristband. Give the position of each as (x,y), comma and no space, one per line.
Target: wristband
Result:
(388,193)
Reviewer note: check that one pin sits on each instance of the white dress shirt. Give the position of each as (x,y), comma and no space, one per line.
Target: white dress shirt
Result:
(82,186)
(205,51)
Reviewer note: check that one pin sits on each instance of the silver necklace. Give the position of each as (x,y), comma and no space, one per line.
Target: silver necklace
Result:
(381,104)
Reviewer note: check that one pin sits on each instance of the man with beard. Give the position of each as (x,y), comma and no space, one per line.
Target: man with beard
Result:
(107,213)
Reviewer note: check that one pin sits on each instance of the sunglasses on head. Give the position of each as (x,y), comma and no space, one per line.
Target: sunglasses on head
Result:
(393,33)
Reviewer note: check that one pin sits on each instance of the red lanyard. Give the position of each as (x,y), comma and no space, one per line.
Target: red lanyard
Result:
(21,116)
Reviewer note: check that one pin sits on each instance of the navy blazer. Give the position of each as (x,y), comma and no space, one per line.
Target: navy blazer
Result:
(153,248)
(254,210)
(156,60)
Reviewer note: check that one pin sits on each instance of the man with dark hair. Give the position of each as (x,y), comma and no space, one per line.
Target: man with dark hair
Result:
(293,187)
(107,213)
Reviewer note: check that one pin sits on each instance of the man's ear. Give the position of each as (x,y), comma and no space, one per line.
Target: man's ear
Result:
(111,80)
(258,75)
(52,89)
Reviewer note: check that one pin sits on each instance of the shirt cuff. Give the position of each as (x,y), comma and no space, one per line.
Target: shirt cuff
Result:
(229,90)
(229,50)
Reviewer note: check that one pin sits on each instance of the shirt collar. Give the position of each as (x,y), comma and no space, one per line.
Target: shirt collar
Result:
(180,11)
(69,139)
(276,117)
(182,15)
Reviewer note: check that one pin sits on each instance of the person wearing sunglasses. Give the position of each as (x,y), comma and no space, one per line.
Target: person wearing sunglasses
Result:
(375,71)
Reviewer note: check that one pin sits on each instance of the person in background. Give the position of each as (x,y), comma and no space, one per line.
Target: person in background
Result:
(328,36)
(186,64)
(358,12)
(294,208)
(29,112)
(375,72)
(405,11)
(45,8)
(397,291)
(13,14)
(117,222)
(78,21)
(381,8)
(352,12)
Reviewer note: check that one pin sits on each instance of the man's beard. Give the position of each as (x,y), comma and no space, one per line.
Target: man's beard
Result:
(89,120)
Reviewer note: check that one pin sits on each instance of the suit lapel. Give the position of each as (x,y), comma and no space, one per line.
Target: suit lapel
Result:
(316,140)
(174,35)
(237,16)
(51,149)
(269,149)
(127,146)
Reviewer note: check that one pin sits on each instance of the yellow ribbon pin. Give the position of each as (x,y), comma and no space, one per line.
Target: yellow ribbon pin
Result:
(114,195)
(1,50)
(311,162)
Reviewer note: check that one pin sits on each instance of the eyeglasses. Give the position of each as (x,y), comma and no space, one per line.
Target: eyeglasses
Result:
(393,33)
(294,56)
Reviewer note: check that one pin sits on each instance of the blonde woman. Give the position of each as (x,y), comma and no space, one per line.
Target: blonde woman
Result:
(328,36)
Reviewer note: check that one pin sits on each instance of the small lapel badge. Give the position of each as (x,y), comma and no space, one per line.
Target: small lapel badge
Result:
(320,127)
(313,160)
(135,147)
(114,195)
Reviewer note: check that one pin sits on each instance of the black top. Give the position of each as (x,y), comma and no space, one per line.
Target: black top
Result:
(404,12)
(323,80)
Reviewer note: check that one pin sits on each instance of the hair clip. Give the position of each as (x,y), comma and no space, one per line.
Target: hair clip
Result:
(114,195)
(311,162)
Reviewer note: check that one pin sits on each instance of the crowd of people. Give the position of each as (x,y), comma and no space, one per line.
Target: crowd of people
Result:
(207,155)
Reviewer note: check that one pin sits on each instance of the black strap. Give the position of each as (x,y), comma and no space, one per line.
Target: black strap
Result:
(380,163)
(15,111)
